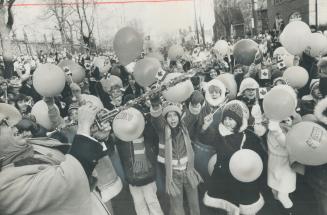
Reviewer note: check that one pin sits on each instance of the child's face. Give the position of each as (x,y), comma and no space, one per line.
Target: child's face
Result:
(230,123)
(249,93)
(172,119)
(214,92)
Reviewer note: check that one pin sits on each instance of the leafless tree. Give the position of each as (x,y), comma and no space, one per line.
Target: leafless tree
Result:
(86,15)
(6,24)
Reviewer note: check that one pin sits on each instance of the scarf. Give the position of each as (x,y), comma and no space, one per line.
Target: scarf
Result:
(11,150)
(141,163)
(193,176)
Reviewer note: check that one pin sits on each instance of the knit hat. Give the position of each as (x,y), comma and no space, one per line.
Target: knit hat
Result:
(279,79)
(313,84)
(248,83)
(170,106)
(235,112)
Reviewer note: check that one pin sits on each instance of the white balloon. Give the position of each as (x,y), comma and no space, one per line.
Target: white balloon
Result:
(317,44)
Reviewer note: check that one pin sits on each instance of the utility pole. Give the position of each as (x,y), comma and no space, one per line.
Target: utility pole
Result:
(196,23)
(254,16)
(316,7)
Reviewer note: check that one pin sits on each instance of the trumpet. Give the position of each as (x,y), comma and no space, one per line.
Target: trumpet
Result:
(104,116)
(62,127)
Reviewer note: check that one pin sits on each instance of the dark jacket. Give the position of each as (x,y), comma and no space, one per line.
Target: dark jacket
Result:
(222,184)
(126,153)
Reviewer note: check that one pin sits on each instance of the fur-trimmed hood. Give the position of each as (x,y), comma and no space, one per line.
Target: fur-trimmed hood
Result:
(320,111)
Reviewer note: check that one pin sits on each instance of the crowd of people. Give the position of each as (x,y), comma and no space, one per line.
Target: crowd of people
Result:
(55,160)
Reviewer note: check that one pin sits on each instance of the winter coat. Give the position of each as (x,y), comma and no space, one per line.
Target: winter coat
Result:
(56,185)
(126,153)
(225,191)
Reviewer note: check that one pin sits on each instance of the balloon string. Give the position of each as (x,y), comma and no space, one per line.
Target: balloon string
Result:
(243,140)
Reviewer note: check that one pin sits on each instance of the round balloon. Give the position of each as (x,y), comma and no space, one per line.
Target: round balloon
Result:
(175,52)
(156,55)
(128,45)
(145,71)
(180,92)
(295,37)
(40,111)
(244,51)
(317,44)
(103,63)
(93,99)
(306,143)
(129,124)
(221,48)
(246,165)
(285,107)
(78,72)
(285,56)
(230,83)
(49,80)
(290,90)
(296,76)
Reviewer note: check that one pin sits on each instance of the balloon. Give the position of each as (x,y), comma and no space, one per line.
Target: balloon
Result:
(244,51)
(285,55)
(180,92)
(295,37)
(317,44)
(40,111)
(221,47)
(230,83)
(49,80)
(175,52)
(211,163)
(290,90)
(103,63)
(145,71)
(78,72)
(278,104)
(246,165)
(128,45)
(309,118)
(93,99)
(130,67)
(296,76)
(156,55)
(306,143)
(128,125)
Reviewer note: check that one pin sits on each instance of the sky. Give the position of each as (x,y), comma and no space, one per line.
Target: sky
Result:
(156,18)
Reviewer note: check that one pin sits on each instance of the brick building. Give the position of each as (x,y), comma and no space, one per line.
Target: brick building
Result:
(301,9)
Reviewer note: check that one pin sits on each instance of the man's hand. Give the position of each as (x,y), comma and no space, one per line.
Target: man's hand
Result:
(207,122)
(86,117)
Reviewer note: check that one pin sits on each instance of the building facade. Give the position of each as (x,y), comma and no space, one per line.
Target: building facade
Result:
(304,10)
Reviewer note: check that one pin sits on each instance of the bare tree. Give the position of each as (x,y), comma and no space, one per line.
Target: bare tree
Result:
(62,14)
(86,11)
(6,24)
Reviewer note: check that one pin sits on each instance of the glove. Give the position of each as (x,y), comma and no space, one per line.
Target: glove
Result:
(155,100)
(274,126)
(197,98)
(207,122)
